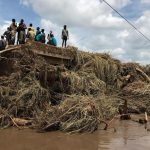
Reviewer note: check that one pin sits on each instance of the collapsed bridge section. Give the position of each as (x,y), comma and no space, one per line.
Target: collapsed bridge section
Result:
(53,55)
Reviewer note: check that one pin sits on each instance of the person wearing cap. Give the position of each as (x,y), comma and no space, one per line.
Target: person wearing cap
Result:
(21,32)
(2,43)
(13,30)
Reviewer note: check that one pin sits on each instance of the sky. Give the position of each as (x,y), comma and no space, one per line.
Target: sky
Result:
(93,26)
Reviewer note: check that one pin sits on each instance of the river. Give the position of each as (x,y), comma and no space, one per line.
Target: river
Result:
(128,135)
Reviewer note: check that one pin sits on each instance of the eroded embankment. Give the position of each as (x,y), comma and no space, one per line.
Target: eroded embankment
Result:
(74,98)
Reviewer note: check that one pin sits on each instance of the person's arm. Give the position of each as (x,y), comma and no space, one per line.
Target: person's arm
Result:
(28,35)
(24,26)
(4,33)
(67,34)
(15,25)
(48,37)
(55,42)
(10,27)
(62,34)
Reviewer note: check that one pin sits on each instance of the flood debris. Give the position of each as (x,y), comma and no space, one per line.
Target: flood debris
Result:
(123,111)
(37,92)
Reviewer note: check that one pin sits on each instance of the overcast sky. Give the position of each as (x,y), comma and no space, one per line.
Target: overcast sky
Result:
(93,26)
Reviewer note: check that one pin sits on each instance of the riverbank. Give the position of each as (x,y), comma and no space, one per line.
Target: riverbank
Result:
(73,98)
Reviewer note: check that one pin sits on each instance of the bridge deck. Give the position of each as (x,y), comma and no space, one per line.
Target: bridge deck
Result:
(53,55)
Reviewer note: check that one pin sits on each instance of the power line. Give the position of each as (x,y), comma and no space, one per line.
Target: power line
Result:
(126,20)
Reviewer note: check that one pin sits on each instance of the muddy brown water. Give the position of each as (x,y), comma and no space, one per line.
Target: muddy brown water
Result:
(129,135)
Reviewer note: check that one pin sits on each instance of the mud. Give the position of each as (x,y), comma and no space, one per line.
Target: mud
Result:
(128,135)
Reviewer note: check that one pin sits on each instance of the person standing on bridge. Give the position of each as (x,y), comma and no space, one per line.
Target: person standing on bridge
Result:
(13,30)
(7,35)
(65,36)
(38,32)
(43,36)
(31,34)
(31,27)
(21,32)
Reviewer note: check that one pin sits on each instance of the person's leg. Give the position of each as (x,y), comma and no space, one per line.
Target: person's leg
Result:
(24,37)
(13,39)
(20,37)
(63,42)
(7,40)
(66,42)
(18,34)
(10,41)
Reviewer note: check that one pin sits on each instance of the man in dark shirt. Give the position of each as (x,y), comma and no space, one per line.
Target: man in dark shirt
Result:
(2,43)
(21,32)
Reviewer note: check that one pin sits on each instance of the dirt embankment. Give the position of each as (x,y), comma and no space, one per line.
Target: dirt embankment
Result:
(76,98)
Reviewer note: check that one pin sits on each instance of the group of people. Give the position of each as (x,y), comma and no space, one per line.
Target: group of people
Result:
(24,33)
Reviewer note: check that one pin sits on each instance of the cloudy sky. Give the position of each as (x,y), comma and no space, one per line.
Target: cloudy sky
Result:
(93,26)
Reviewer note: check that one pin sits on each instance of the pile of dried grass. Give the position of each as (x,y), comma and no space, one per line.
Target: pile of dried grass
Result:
(76,99)
(77,114)
(21,94)
(102,65)
(138,96)
(83,83)
(74,114)
(30,97)
(147,70)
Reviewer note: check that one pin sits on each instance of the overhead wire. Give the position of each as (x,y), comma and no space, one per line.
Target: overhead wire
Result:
(131,24)
(125,19)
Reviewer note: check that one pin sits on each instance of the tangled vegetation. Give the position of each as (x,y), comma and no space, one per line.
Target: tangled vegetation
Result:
(76,98)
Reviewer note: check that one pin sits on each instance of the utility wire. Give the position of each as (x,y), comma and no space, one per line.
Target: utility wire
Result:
(126,20)
(83,38)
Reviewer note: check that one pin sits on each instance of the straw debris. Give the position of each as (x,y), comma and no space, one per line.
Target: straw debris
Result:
(71,98)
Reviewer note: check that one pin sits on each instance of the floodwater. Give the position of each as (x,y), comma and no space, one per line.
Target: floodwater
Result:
(129,135)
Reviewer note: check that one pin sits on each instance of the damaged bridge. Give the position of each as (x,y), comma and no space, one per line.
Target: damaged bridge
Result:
(53,55)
